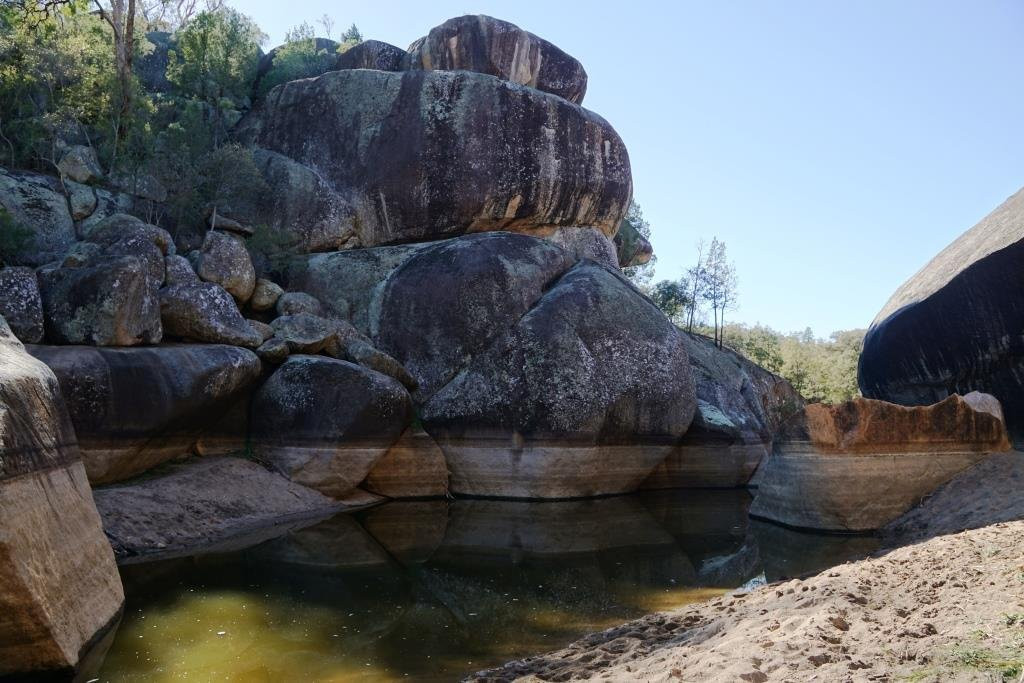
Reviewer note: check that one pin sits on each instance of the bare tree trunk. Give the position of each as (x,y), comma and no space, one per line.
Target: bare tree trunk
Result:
(121,19)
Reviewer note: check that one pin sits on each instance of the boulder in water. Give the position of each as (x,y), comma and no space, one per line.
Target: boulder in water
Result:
(859,465)
(60,590)
(332,450)
(136,408)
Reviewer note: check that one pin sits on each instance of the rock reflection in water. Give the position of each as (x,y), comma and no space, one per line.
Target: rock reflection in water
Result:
(433,590)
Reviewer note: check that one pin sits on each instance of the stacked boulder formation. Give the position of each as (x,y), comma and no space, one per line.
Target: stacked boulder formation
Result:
(859,465)
(957,325)
(449,315)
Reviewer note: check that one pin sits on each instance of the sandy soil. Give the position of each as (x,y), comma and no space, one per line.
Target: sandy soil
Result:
(943,608)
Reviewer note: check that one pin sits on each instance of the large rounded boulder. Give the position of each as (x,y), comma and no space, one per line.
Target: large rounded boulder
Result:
(500,48)
(135,408)
(324,423)
(957,325)
(540,376)
(426,154)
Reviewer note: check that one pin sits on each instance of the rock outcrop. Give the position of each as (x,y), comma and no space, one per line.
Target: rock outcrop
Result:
(330,450)
(955,326)
(426,154)
(499,48)
(464,315)
(21,304)
(135,408)
(584,395)
(60,589)
(859,465)
(35,202)
(739,408)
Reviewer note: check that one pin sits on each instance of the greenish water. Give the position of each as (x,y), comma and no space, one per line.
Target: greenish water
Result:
(436,590)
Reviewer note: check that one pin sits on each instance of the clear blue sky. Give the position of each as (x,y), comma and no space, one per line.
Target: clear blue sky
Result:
(834,146)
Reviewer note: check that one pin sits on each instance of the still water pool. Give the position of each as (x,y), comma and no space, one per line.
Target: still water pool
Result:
(435,590)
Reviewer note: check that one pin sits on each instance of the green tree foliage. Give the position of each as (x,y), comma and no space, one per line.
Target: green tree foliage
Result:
(56,75)
(299,57)
(13,237)
(215,58)
(672,297)
(820,369)
(350,38)
(640,276)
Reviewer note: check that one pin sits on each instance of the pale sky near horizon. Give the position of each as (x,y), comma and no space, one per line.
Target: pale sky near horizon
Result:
(835,146)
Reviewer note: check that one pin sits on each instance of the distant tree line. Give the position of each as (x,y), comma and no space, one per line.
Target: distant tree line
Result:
(823,370)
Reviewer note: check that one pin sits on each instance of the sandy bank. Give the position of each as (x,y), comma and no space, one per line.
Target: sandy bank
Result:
(947,606)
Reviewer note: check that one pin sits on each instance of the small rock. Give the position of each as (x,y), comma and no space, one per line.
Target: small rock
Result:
(839,623)
(81,199)
(264,330)
(219,222)
(79,163)
(274,351)
(294,303)
(179,271)
(265,295)
(224,260)
(205,312)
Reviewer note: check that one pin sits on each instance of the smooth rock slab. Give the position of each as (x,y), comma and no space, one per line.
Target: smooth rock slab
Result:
(60,589)
(324,423)
(859,465)
(205,504)
(136,408)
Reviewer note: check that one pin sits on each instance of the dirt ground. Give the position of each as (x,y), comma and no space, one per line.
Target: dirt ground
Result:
(941,605)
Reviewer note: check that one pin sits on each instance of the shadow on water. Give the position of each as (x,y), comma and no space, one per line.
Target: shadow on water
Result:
(433,590)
